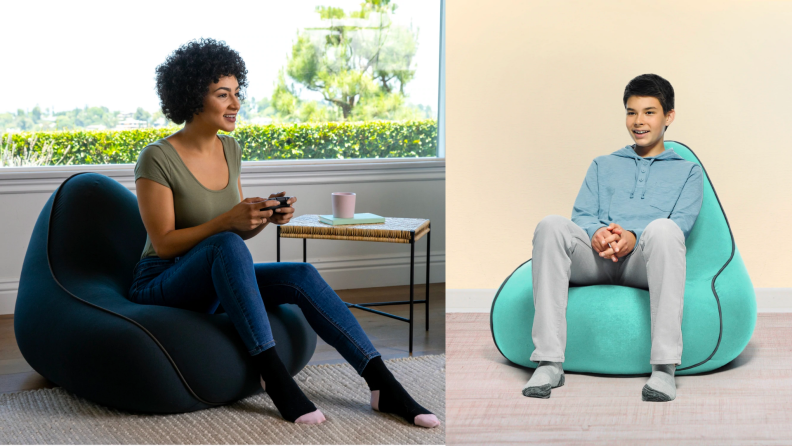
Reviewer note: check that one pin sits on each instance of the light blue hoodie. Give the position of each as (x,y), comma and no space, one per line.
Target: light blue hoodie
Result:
(631,191)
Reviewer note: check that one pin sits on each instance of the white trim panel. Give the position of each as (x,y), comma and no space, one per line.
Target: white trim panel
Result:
(341,273)
(773,300)
(8,293)
(21,180)
(469,300)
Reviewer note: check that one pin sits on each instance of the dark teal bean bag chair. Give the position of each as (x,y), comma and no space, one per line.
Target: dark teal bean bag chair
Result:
(608,326)
(75,326)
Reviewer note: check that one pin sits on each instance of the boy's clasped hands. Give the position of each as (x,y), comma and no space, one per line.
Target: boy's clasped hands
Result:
(621,241)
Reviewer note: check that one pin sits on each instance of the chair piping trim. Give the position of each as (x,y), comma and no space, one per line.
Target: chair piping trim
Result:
(492,309)
(151,335)
(714,292)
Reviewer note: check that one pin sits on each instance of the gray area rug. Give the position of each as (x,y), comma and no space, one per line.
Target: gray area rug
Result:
(55,416)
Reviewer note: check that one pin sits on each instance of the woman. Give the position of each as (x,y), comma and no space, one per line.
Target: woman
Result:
(190,199)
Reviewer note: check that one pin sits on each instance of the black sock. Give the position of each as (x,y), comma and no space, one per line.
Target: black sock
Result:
(392,397)
(280,386)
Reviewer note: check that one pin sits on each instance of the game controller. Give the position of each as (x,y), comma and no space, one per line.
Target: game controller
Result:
(282,203)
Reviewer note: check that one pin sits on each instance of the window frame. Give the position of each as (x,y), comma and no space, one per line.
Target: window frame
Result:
(35,177)
(46,179)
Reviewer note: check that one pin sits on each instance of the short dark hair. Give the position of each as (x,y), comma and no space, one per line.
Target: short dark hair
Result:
(183,79)
(654,86)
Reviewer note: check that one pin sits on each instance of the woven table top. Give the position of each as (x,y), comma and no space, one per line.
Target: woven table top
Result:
(394,230)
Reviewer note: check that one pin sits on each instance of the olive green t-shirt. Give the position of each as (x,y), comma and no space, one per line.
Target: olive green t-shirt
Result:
(193,203)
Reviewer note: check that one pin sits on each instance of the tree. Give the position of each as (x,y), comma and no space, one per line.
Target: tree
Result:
(359,63)
(142,115)
(36,114)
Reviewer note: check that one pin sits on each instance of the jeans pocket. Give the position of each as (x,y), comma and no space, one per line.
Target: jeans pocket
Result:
(147,264)
(140,282)
(147,270)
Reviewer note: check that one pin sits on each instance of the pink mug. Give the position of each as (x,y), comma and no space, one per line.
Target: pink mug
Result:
(343,204)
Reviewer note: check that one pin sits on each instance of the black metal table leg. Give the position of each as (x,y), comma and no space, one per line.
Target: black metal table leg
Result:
(412,282)
(428,238)
(412,301)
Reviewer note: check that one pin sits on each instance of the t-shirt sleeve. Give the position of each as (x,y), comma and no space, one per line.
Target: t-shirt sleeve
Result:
(153,165)
(239,155)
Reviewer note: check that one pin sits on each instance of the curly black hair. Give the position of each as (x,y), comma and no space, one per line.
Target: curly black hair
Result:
(183,79)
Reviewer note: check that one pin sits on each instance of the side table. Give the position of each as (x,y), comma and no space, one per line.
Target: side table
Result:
(394,230)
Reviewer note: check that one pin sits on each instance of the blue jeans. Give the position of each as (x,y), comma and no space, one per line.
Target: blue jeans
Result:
(220,270)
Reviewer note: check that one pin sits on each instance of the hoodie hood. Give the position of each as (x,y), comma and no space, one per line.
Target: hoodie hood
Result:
(629,152)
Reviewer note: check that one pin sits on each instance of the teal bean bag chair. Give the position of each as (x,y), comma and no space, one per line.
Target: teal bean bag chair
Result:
(608,326)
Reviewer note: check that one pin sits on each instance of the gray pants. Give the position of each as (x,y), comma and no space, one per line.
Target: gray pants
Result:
(562,254)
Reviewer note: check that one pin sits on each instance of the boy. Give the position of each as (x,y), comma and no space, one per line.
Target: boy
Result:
(629,224)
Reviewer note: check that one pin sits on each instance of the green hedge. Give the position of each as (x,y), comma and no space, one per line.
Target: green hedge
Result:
(376,139)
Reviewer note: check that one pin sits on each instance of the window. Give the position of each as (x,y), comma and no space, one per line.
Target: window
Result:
(327,79)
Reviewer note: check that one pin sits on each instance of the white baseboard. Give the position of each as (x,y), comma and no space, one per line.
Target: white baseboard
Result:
(379,270)
(774,300)
(477,300)
(340,273)
(8,292)
(768,300)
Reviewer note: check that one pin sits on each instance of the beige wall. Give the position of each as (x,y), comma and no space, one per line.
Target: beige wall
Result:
(534,93)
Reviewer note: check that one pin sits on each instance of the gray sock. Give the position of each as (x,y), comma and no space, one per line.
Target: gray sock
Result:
(661,385)
(547,375)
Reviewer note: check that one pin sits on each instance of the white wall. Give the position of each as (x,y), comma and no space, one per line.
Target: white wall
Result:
(534,93)
(408,188)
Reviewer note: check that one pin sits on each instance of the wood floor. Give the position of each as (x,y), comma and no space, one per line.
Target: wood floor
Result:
(389,336)
(748,401)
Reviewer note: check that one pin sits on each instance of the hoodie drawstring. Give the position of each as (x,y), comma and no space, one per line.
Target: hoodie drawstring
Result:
(635,186)
(629,152)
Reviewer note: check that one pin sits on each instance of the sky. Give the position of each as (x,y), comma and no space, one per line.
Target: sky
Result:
(72,54)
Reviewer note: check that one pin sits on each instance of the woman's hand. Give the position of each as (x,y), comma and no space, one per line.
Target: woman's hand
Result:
(281,216)
(247,215)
